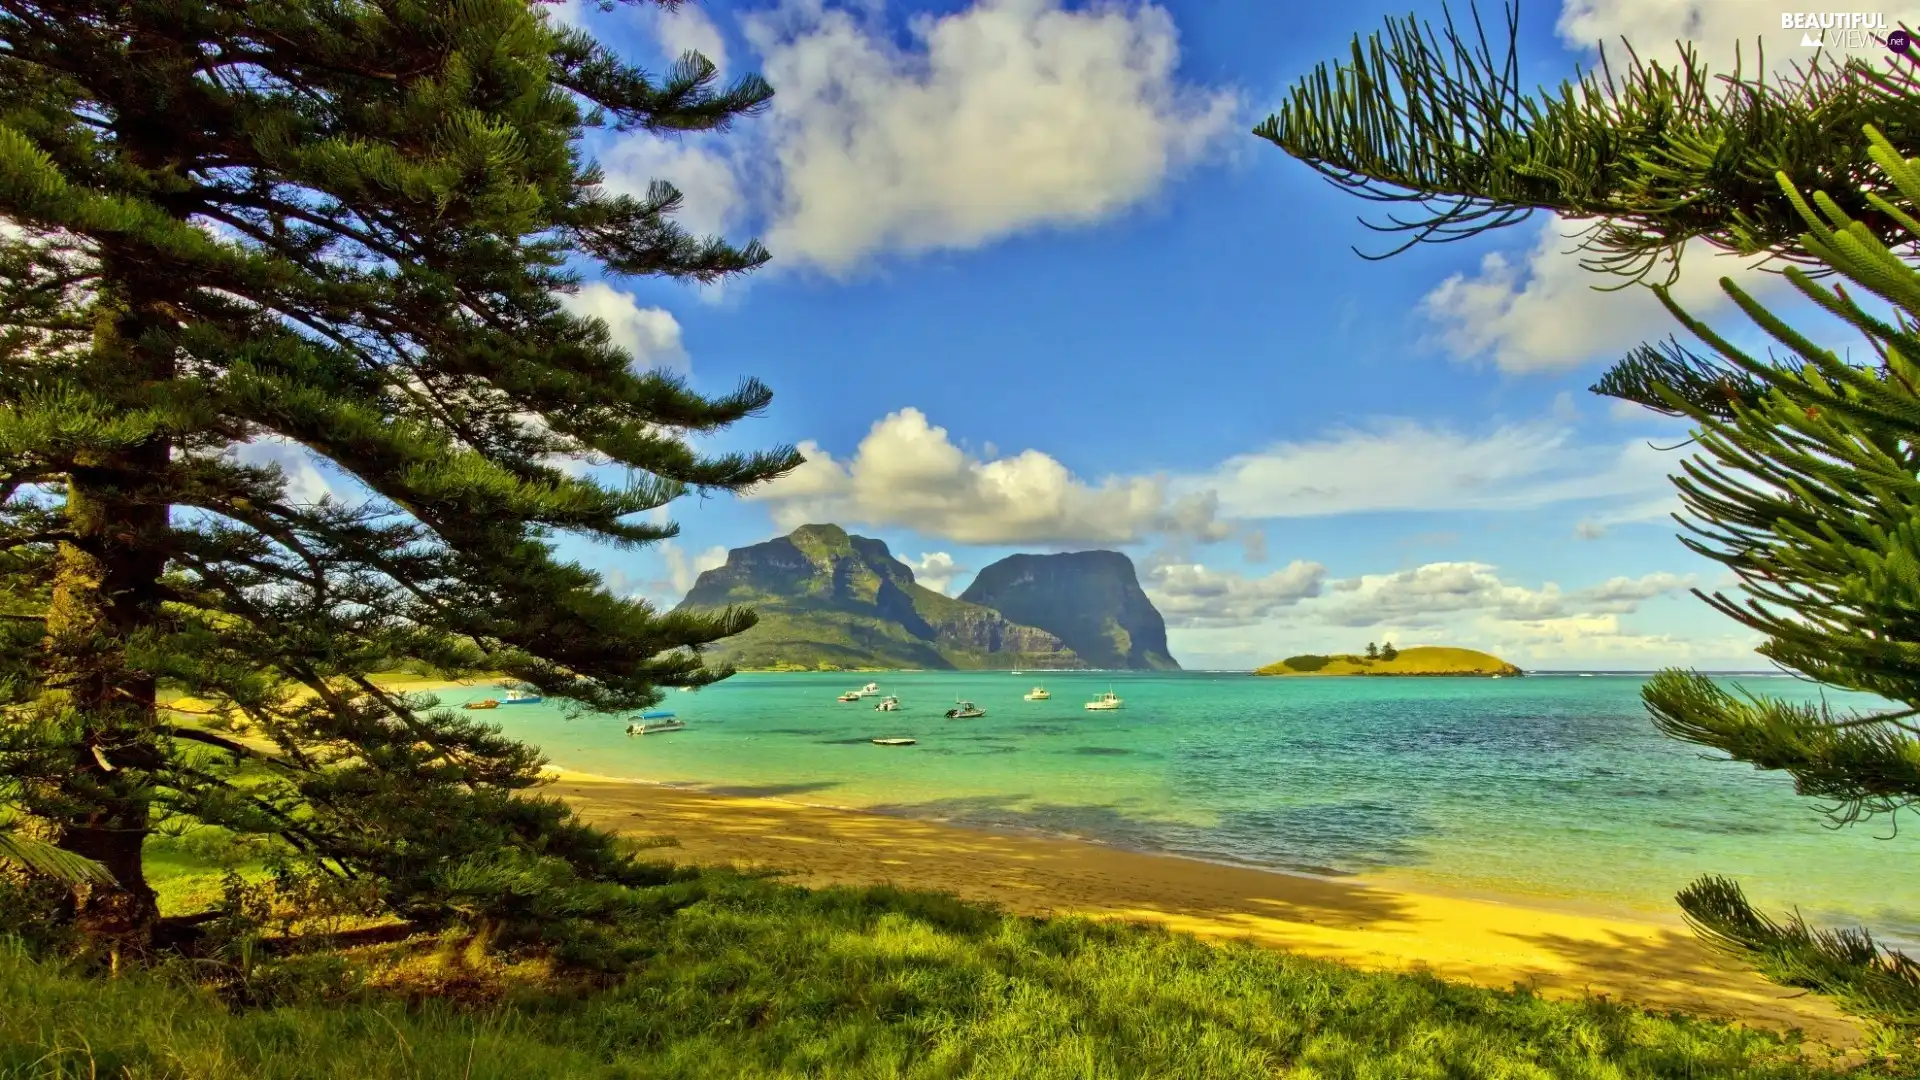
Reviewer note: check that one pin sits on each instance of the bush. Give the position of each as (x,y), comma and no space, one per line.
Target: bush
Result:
(1308,662)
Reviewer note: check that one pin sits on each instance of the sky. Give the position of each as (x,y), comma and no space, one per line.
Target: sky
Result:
(1036,287)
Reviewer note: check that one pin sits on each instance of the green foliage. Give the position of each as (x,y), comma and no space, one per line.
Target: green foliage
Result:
(1389,653)
(1373,651)
(1433,122)
(1305,662)
(748,978)
(340,232)
(43,858)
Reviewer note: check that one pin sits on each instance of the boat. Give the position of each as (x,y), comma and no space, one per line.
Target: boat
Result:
(965,710)
(1496,676)
(1106,702)
(868,690)
(483,703)
(888,704)
(893,742)
(1039,693)
(1016,673)
(653,723)
(517,696)
(851,695)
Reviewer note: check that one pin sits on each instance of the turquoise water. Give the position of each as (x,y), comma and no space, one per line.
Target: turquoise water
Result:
(1554,786)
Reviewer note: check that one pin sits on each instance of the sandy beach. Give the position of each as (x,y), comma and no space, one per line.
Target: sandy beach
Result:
(1560,951)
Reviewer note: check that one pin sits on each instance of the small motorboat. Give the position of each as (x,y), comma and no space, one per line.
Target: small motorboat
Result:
(868,690)
(1039,693)
(1106,702)
(517,696)
(889,703)
(965,710)
(655,727)
(893,742)
(851,695)
(483,703)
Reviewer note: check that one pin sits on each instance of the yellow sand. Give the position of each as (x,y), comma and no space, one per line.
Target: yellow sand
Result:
(1561,952)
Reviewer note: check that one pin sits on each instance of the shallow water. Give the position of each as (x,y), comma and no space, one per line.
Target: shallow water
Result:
(1555,786)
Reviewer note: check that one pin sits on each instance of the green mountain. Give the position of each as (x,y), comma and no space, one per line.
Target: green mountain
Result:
(1091,600)
(827,599)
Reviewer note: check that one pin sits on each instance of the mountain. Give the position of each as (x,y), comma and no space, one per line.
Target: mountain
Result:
(1419,660)
(827,599)
(1091,600)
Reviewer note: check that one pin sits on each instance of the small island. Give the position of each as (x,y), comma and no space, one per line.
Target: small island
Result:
(1419,660)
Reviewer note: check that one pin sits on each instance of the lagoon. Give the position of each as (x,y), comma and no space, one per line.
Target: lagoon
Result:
(1553,787)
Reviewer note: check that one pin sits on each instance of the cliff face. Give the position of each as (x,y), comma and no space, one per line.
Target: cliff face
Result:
(826,598)
(1091,600)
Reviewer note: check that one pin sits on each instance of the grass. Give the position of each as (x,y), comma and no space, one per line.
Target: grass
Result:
(1419,660)
(751,978)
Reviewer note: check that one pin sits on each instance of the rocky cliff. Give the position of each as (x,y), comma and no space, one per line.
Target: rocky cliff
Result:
(1091,600)
(828,599)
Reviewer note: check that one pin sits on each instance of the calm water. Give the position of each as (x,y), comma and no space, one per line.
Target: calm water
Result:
(1555,786)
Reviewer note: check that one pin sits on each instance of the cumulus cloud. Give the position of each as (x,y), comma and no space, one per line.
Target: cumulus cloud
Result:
(683,29)
(1189,595)
(712,199)
(1406,465)
(908,473)
(1423,595)
(650,335)
(308,478)
(1542,313)
(1715,27)
(936,570)
(1002,116)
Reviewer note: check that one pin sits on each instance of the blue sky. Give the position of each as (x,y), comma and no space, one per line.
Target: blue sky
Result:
(1036,288)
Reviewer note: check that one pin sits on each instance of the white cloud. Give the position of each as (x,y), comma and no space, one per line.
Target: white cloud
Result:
(936,570)
(1546,315)
(650,335)
(685,28)
(712,199)
(907,473)
(1191,595)
(683,569)
(1004,116)
(1422,595)
(1404,465)
(1715,27)
(305,480)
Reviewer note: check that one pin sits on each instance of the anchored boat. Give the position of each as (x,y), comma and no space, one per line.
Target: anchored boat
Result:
(965,710)
(1106,702)
(1039,693)
(653,723)
(516,696)
(889,703)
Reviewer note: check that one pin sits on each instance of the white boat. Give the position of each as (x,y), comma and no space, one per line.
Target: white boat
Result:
(1106,702)
(516,696)
(1016,673)
(1039,693)
(851,695)
(965,710)
(893,742)
(653,723)
(888,704)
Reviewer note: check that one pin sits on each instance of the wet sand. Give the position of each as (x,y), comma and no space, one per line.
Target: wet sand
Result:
(1560,950)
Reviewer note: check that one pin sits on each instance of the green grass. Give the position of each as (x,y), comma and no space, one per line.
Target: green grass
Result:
(1419,660)
(756,979)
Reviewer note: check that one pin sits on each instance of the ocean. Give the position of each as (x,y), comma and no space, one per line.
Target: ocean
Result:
(1555,787)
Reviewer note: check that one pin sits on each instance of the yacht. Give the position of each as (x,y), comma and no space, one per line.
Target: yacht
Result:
(888,704)
(1039,693)
(1106,702)
(518,696)
(965,710)
(868,690)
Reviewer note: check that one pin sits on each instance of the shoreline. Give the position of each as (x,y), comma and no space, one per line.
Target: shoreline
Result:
(1561,949)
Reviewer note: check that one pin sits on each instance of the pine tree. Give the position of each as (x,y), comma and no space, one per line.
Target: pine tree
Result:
(1808,487)
(347,226)
(1373,651)
(1388,652)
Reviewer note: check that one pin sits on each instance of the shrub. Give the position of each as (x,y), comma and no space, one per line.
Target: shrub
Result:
(1309,662)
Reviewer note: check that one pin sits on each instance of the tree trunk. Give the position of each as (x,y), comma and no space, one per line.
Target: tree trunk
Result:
(106,596)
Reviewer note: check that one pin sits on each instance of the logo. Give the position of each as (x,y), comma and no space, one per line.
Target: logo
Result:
(1840,30)
(1899,41)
